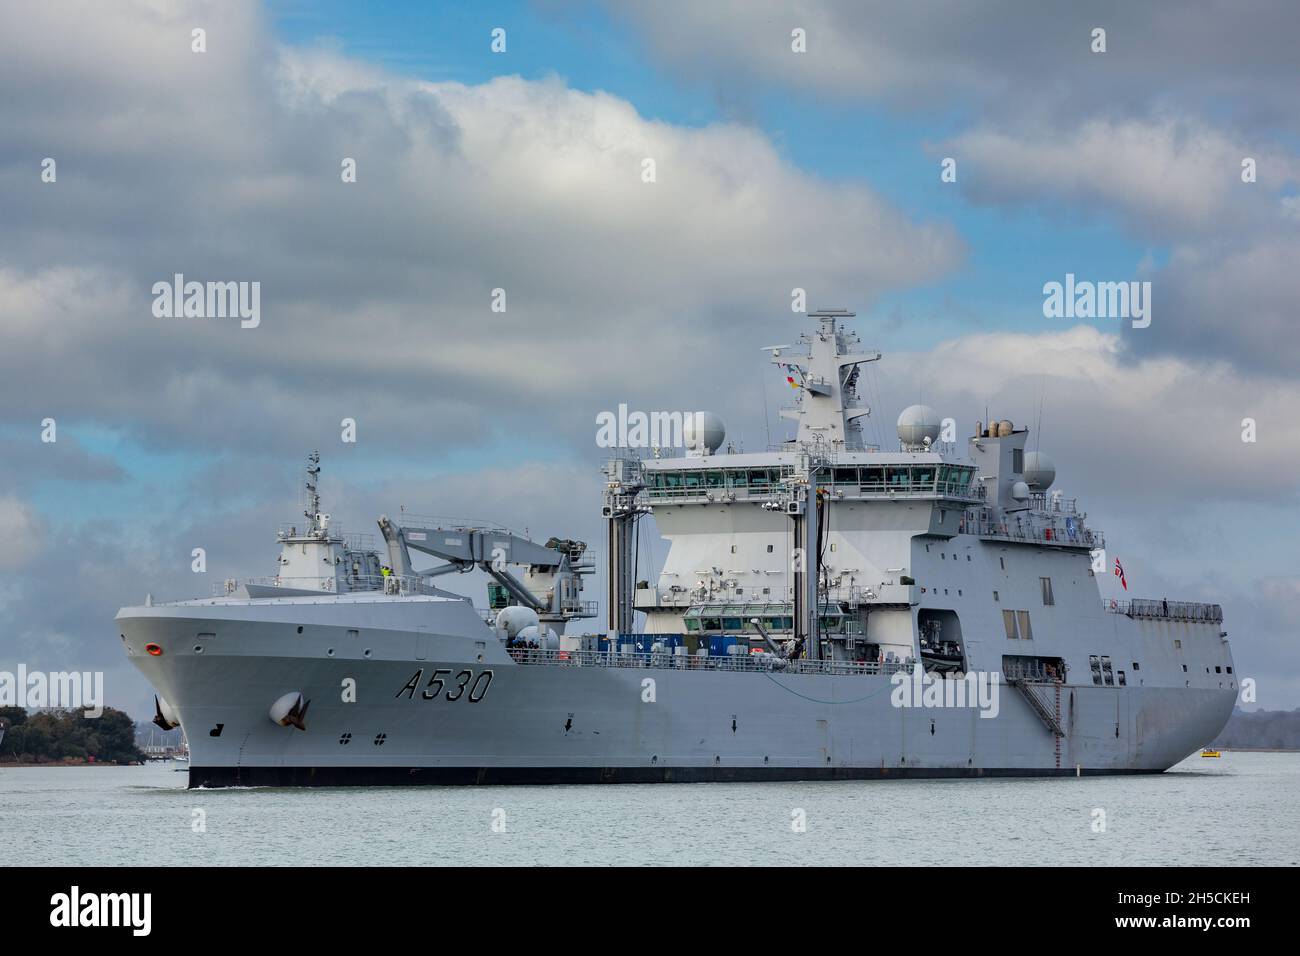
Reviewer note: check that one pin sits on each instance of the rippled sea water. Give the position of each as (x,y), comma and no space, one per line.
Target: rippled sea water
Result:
(1241,809)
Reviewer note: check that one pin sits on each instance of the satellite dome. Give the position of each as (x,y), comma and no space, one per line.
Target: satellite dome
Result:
(542,636)
(1040,470)
(917,423)
(516,618)
(703,433)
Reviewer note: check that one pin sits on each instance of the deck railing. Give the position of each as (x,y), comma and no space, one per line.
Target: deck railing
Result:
(756,663)
(1166,610)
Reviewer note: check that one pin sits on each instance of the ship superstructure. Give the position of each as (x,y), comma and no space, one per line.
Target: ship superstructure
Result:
(827,609)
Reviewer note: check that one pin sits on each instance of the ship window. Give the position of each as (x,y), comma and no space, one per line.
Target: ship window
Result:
(1026,632)
(899,477)
(873,479)
(1048,599)
(736,479)
(1218,670)
(1178,645)
(1229,668)
(767,590)
(1184,668)
(733,549)
(846,476)
(672,479)
(769,549)
(1123,681)
(832,545)
(1003,562)
(995,596)
(692,624)
(731,624)
(713,479)
(1094,662)
(942,556)
(923,479)
(1136,666)
(740,591)
(968,557)
(1106,671)
(1018,460)
(353,633)
(1009,622)
(711,623)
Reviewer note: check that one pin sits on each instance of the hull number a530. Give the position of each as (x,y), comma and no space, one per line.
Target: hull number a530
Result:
(447,683)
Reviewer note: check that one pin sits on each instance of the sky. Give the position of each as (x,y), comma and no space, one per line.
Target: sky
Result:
(522,170)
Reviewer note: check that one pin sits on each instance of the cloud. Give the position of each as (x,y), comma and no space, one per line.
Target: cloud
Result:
(376,295)
(1167,178)
(22,531)
(1158,427)
(1004,58)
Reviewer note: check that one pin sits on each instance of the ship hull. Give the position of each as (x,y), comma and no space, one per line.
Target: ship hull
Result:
(422,707)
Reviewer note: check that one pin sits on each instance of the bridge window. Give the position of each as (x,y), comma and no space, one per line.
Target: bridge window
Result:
(731,624)
(923,478)
(691,479)
(899,478)
(873,479)
(1009,622)
(713,479)
(672,479)
(846,476)
(736,479)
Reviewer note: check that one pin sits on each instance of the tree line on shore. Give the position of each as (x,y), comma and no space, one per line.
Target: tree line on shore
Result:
(62,736)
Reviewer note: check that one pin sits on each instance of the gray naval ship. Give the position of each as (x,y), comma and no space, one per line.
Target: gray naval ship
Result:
(828,609)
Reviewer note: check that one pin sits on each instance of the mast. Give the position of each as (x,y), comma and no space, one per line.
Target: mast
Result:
(828,408)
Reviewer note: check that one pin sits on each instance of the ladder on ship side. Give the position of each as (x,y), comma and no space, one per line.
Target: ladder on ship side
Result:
(1042,704)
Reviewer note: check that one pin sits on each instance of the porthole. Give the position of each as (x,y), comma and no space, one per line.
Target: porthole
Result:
(367,652)
(198,648)
(330,652)
(299,628)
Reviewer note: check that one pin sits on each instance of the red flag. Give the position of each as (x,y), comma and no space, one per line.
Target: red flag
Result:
(1119,573)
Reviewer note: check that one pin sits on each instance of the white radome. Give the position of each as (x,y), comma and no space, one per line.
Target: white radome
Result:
(515,618)
(1040,470)
(917,423)
(703,433)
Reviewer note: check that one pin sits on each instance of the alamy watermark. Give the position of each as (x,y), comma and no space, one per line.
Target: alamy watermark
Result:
(75,690)
(977,689)
(179,299)
(624,429)
(1098,300)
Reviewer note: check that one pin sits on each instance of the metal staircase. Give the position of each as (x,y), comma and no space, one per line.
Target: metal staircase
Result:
(1044,700)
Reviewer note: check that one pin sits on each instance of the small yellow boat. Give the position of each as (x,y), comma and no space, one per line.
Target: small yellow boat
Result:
(1209,753)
